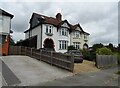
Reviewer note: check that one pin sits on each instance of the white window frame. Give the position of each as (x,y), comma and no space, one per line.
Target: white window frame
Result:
(76,34)
(85,36)
(76,45)
(63,45)
(63,32)
(1,22)
(49,29)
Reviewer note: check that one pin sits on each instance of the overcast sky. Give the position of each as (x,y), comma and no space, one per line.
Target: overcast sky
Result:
(100,19)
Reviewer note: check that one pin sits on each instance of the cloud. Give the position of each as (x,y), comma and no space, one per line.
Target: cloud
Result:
(97,18)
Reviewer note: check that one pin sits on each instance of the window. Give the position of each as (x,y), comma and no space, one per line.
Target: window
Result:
(63,31)
(85,36)
(76,45)
(1,19)
(49,29)
(76,34)
(63,44)
(2,39)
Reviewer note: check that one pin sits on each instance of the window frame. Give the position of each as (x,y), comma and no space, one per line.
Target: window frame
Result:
(63,31)
(85,36)
(49,29)
(76,45)
(76,34)
(63,45)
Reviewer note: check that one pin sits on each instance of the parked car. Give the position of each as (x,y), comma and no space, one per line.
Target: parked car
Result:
(78,57)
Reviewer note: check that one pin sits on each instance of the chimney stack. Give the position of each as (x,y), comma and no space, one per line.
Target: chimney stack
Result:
(59,17)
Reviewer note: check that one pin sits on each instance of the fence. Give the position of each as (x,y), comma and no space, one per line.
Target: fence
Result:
(103,61)
(53,58)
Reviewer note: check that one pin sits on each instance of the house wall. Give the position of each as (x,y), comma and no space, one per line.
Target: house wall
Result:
(26,35)
(80,39)
(37,31)
(33,32)
(5,24)
(56,37)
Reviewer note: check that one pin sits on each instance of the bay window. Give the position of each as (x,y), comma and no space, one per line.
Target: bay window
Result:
(63,44)
(76,45)
(63,31)
(77,34)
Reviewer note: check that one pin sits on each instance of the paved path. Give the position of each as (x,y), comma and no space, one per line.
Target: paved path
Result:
(32,72)
(7,77)
(102,78)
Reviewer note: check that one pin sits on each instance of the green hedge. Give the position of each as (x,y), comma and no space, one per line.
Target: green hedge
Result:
(104,51)
(119,59)
(89,55)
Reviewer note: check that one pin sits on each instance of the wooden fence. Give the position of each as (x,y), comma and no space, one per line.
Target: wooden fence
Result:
(51,57)
(104,61)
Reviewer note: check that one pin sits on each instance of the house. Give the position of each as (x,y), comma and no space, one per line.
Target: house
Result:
(5,30)
(53,32)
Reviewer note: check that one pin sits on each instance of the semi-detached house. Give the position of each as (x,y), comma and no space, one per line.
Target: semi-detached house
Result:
(53,32)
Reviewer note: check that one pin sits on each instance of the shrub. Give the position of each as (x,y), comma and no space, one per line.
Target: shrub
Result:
(88,55)
(119,59)
(71,48)
(118,72)
(104,51)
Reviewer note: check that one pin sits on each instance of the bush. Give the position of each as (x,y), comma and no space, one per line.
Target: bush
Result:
(118,72)
(119,59)
(104,51)
(71,48)
(88,55)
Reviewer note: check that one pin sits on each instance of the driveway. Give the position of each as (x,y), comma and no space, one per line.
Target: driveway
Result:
(86,66)
(32,72)
(106,77)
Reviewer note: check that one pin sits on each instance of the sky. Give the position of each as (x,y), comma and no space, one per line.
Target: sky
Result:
(100,19)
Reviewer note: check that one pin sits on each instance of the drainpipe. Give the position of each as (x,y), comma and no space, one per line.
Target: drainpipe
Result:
(41,37)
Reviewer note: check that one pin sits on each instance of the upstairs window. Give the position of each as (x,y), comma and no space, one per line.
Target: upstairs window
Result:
(85,36)
(1,20)
(64,31)
(77,34)
(49,29)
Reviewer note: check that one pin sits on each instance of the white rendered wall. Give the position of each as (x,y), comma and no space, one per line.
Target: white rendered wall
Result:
(55,37)
(37,31)
(5,25)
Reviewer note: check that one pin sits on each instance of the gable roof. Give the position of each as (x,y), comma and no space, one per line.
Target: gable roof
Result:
(45,19)
(6,13)
(78,25)
(53,21)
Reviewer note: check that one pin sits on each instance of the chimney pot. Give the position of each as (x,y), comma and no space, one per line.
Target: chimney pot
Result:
(59,16)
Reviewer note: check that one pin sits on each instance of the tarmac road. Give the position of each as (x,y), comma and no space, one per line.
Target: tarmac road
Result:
(105,77)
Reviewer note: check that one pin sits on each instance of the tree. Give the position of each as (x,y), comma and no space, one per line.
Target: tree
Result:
(111,46)
(96,46)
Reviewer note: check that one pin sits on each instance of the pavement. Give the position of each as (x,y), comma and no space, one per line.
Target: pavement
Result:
(7,77)
(32,72)
(106,77)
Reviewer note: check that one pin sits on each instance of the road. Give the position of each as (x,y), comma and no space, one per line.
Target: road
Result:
(106,77)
